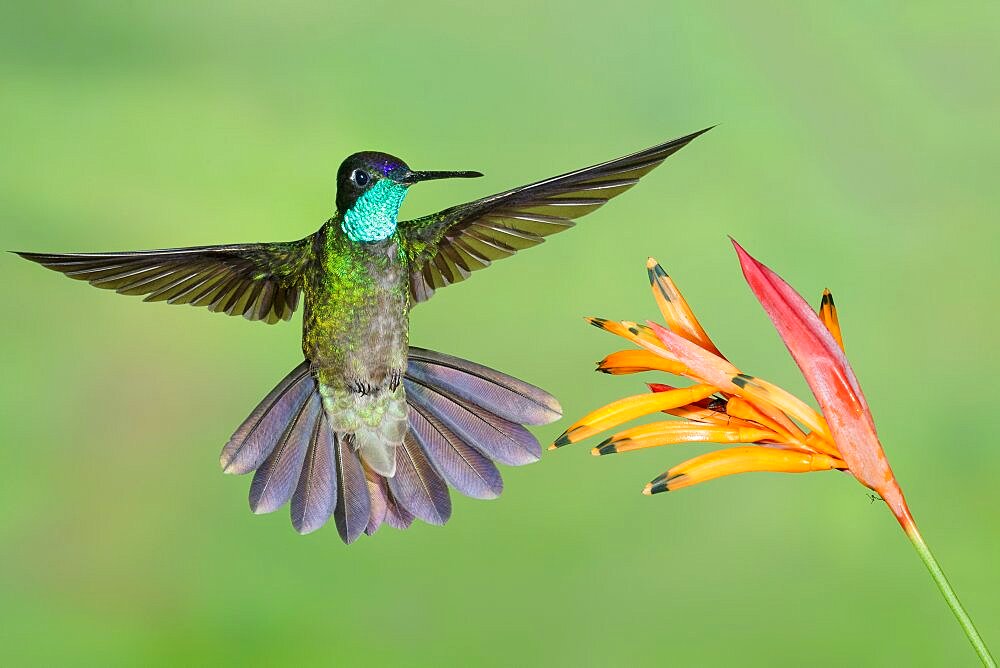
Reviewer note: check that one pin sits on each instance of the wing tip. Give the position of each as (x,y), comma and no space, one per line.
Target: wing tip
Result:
(27,255)
(695,135)
(680,142)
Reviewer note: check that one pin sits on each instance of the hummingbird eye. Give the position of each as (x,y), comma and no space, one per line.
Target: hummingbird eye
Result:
(360,178)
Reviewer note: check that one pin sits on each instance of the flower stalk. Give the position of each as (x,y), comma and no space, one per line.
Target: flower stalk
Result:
(950,597)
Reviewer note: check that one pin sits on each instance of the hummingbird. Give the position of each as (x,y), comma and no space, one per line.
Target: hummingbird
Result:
(368,429)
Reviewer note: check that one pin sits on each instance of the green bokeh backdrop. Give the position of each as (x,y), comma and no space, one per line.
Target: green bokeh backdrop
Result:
(857,149)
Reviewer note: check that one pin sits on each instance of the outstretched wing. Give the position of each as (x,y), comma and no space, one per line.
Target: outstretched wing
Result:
(447,246)
(257,281)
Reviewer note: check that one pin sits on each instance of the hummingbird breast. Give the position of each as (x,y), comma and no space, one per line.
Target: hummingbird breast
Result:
(355,327)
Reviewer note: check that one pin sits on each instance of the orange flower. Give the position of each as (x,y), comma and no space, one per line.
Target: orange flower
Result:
(780,432)
(725,406)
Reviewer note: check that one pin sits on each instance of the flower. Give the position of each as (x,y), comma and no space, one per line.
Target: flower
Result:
(724,406)
(776,430)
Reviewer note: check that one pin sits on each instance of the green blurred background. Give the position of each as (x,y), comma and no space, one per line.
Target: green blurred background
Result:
(857,149)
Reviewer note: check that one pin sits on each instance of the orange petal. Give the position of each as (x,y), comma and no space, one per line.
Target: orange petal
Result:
(641,332)
(708,368)
(821,443)
(696,413)
(675,309)
(621,330)
(636,361)
(759,390)
(702,365)
(630,408)
(779,418)
(742,408)
(671,431)
(741,413)
(742,459)
(711,410)
(828,314)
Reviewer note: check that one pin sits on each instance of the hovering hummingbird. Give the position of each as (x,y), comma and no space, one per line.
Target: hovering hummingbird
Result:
(367,428)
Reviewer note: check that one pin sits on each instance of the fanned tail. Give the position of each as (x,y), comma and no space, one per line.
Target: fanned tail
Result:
(462,416)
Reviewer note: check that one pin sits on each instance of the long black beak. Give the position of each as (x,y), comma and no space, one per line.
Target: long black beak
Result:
(416,177)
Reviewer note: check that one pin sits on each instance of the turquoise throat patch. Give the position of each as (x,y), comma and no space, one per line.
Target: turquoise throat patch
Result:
(374,215)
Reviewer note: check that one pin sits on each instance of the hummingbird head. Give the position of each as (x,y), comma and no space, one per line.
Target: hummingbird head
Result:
(370,190)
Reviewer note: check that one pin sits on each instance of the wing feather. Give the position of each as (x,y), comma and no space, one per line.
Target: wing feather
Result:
(257,281)
(446,247)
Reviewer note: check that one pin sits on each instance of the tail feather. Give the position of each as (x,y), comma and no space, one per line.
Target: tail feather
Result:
(505,441)
(378,494)
(316,494)
(353,502)
(396,515)
(417,486)
(461,418)
(256,437)
(276,479)
(462,466)
(504,395)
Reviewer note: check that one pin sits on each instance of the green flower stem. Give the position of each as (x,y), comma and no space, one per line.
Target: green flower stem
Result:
(950,597)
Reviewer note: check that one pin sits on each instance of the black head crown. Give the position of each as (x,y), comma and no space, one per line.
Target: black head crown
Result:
(361,171)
